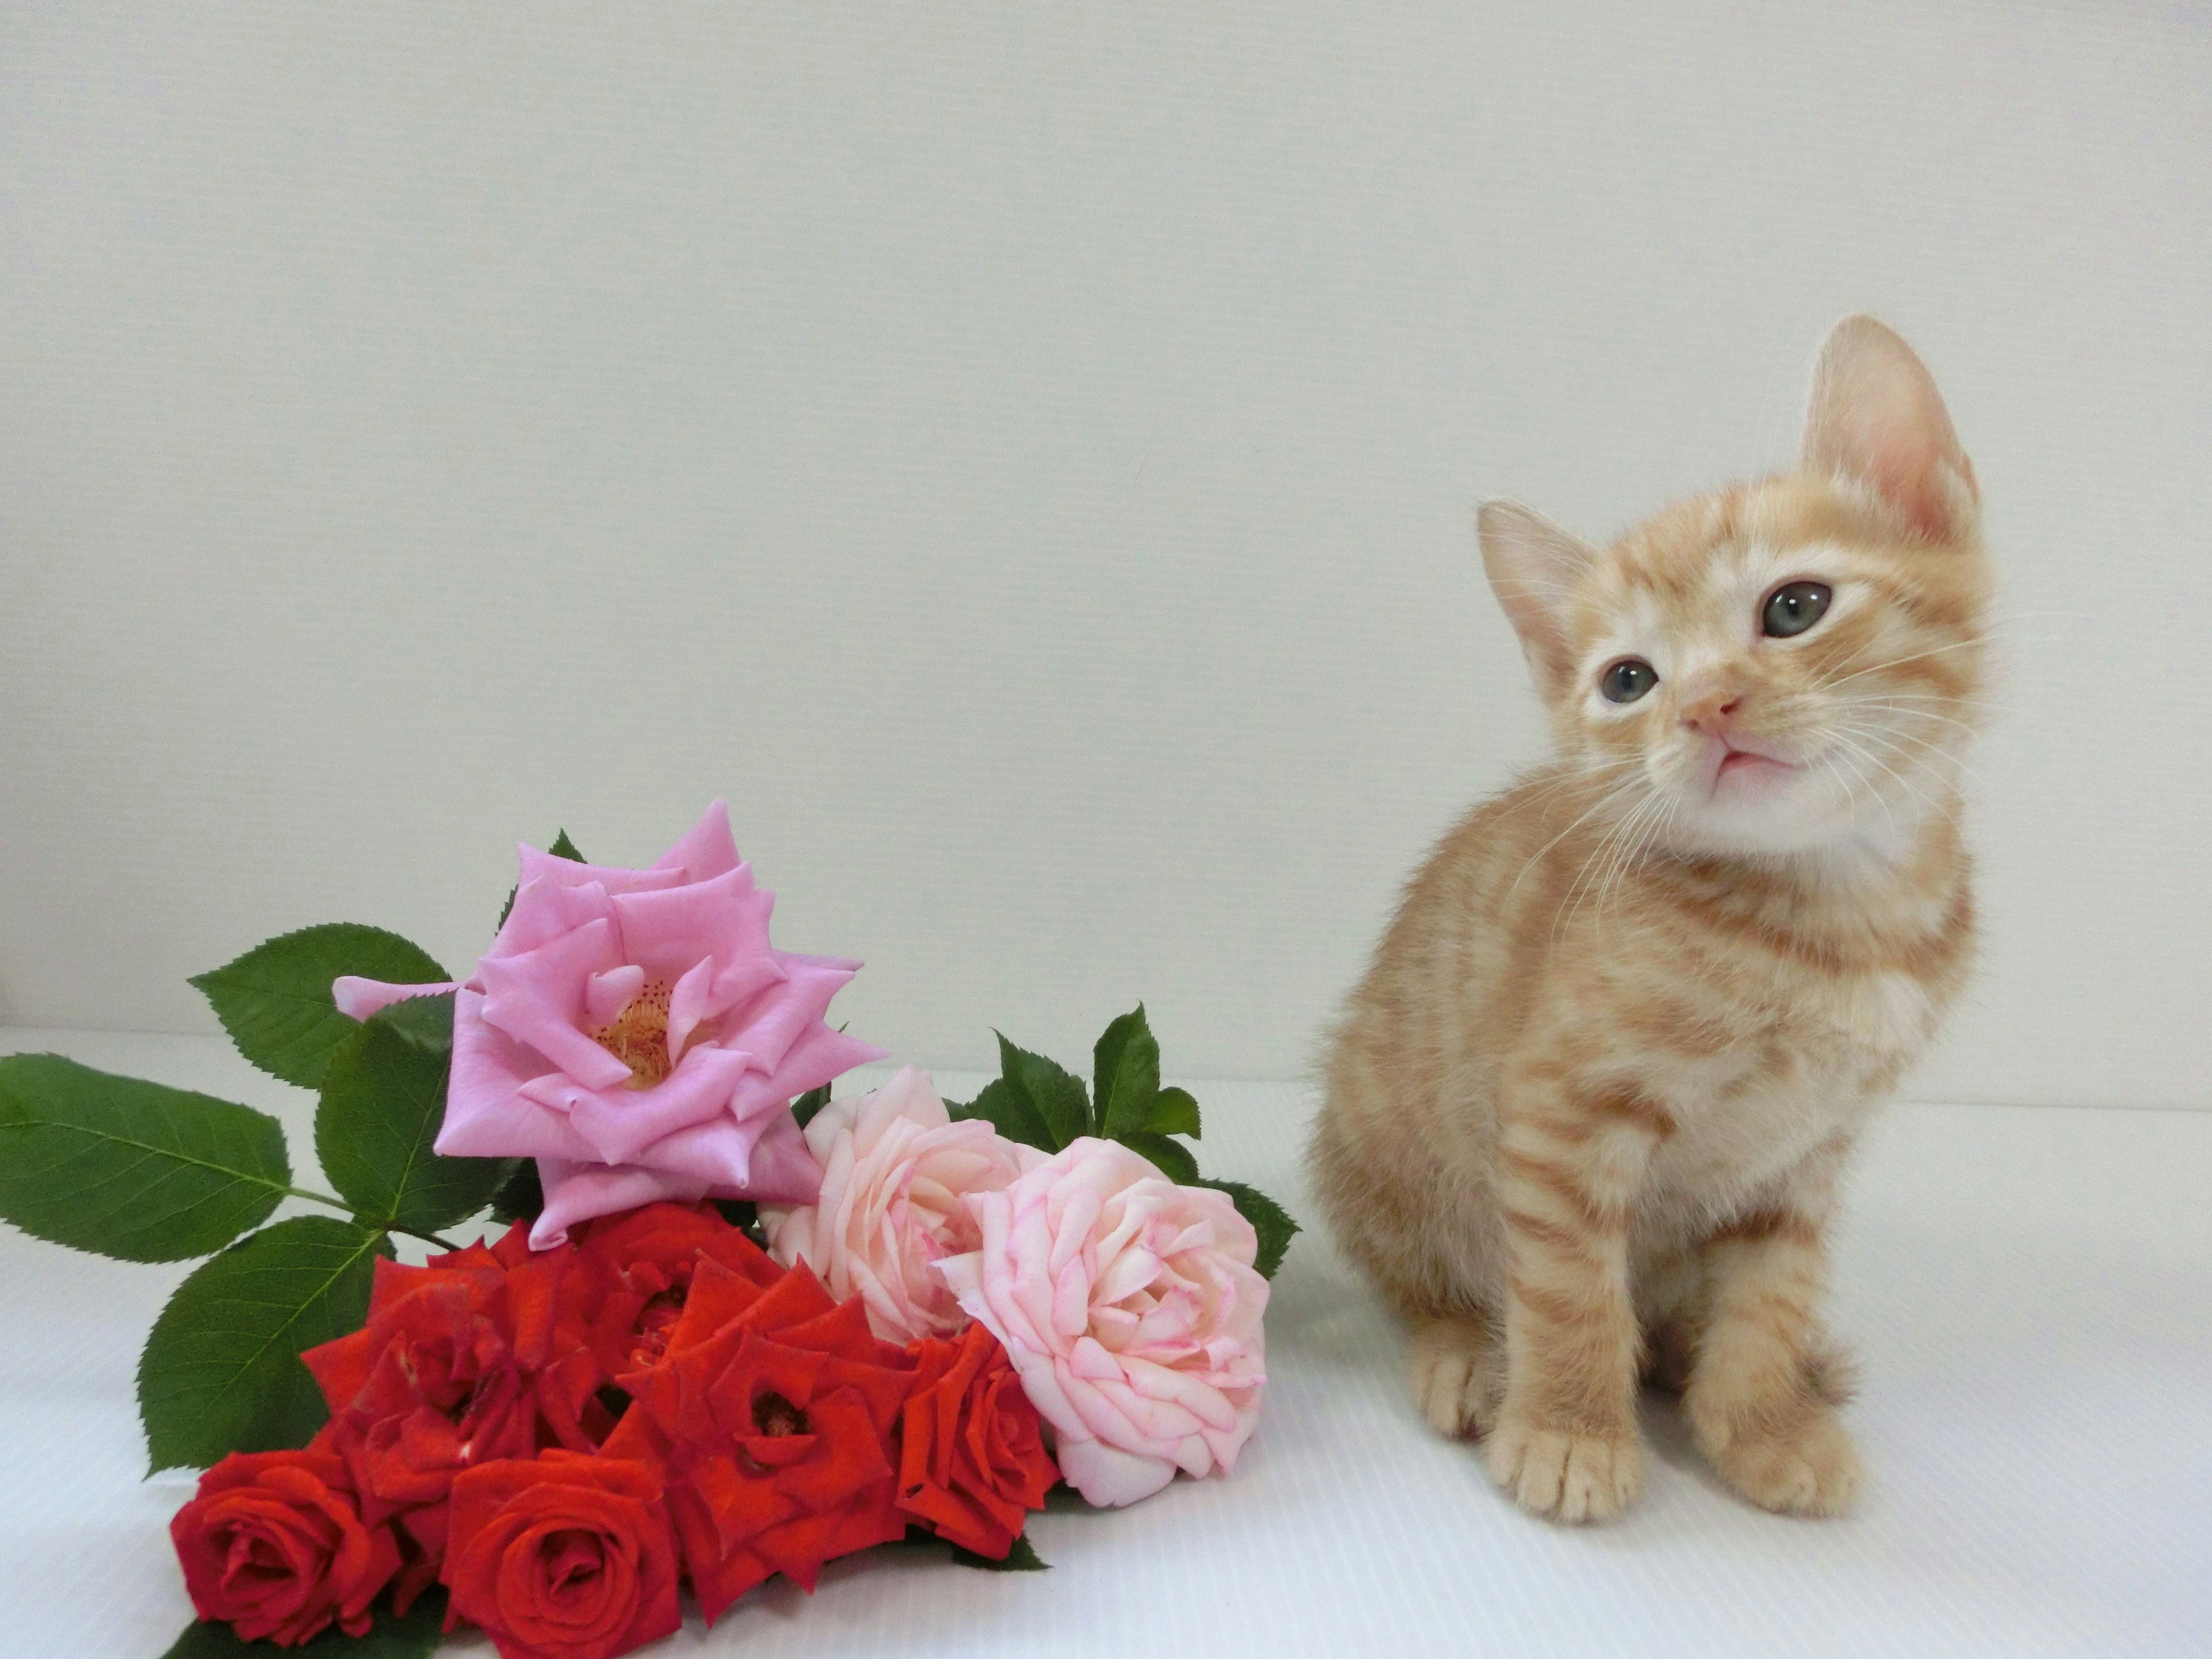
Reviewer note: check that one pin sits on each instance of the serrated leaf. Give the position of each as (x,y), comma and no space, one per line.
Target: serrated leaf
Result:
(1174,1112)
(130,1168)
(1172,1157)
(221,1371)
(275,1000)
(1007,1108)
(1126,1074)
(519,1196)
(1021,1558)
(390,1638)
(1269,1219)
(808,1104)
(427,1022)
(562,848)
(384,1101)
(1055,1094)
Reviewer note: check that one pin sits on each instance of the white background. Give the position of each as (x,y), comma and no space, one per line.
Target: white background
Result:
(1023,457)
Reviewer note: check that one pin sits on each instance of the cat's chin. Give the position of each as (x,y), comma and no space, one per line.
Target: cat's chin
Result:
(1794,825)
(1762,810)
(1746,837)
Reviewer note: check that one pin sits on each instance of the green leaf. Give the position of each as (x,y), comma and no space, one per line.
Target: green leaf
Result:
(1172,1157)
(519,1197)
(275,1000)
(562,848)
(1055,1094)
(1269,1219)
(1126,1073)
(808,1104)
(131,1169)
(384,1101)
(427,1022)
(1174,1112)
(1007,1107)
(391,1638)
(1023,1557)
(221,1372)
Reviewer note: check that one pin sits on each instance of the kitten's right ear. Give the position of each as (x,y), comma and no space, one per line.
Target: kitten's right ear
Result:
(1875,416)
(1534,565)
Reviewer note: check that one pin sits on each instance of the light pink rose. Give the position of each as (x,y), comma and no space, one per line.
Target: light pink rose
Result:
(634,1032)
(895,1167)
(1131,1309)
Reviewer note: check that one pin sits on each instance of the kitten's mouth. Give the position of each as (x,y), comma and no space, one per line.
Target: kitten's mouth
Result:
(1750,765)
(1742,760)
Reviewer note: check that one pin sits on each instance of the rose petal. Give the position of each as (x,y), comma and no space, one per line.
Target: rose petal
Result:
(620,1123)
(575,1193)
(487,1112)
(706,848)
(1109,1477)
(357,998)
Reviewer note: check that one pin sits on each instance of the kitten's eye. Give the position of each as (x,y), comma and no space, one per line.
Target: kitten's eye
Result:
(1793,607)
(1627,680)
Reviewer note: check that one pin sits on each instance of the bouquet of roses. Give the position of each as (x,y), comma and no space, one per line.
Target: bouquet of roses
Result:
(732,1327)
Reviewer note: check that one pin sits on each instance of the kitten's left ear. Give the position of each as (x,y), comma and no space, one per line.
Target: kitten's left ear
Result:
(1875,417)
(1534,566)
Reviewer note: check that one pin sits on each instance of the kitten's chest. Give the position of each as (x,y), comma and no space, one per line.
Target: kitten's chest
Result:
(1806,1065)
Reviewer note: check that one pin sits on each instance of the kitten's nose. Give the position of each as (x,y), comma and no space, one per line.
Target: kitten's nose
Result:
(1712,713)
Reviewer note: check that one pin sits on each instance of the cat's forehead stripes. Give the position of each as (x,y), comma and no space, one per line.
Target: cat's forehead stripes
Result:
(1705,563)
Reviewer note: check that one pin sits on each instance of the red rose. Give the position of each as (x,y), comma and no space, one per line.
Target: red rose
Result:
(274,1545)
(561,1556)
(536,1300)
(636,1272)
(972,1459)
(773,1418)
(462,1362)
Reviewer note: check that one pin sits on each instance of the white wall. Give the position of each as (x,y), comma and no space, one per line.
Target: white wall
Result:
(1022,456)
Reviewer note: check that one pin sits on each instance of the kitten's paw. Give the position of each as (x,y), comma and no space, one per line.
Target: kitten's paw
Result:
(1814,1470)
(1457,1374)
(1566,1474)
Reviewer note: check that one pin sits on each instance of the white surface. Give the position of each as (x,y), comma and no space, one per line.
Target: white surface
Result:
(1024,456)
(2027,1289)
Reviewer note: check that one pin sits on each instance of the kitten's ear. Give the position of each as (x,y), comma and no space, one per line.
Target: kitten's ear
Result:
(1875,417)
(1534,565)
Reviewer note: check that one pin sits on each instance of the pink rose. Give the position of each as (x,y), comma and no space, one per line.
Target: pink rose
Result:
(895,1167)
(1131,1309)
(634,1032)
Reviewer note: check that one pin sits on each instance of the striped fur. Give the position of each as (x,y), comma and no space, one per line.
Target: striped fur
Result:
(1587,1111)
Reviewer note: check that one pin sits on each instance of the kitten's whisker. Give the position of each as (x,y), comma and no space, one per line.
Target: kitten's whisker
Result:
(1895,741)
(1573,899)
(1898,777)
(1616,793)
(1627,862)
(1619,842)
(1899,662)
(1858,706)
(1872,760)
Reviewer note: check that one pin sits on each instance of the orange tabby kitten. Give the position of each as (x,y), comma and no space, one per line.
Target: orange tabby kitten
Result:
(1586,1110)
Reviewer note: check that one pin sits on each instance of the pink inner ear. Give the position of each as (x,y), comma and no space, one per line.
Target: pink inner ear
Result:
(1905,472)
(1876,417)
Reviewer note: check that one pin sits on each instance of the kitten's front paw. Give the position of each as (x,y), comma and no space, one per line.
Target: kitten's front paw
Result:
(1566,1474)
(1457,1373)
(1814,1471)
